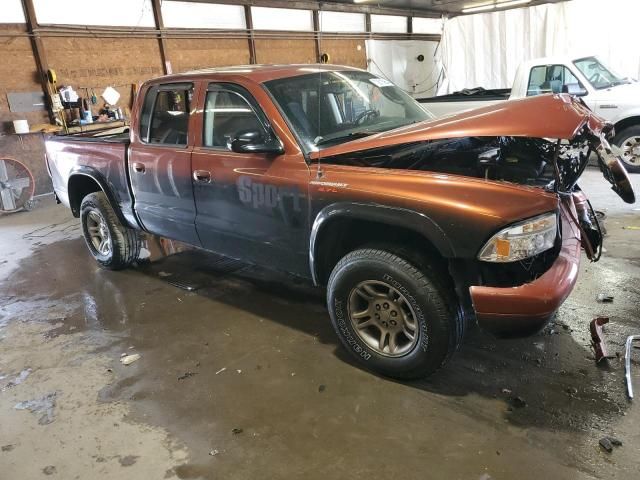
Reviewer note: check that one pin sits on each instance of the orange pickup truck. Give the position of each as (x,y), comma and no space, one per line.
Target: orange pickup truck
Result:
(414,226)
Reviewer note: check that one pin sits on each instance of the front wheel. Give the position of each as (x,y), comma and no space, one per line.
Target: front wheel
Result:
(113,245)
(394,318)
(629,142)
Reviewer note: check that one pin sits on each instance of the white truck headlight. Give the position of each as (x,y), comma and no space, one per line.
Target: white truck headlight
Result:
(522,240)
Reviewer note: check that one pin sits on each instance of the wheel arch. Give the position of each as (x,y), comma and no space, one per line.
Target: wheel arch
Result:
(340,227)
(627,122)
(85,180)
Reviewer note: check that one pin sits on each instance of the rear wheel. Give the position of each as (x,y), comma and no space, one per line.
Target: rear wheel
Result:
(394,318)
(113,245)
(629,142)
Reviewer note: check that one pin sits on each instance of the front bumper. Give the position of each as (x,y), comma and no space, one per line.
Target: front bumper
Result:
(522,310)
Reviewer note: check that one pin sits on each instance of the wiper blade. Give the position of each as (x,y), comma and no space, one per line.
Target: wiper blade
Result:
(349,136)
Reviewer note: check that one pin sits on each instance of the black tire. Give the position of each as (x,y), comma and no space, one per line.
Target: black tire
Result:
(435,308)
(620,139)
(124,241)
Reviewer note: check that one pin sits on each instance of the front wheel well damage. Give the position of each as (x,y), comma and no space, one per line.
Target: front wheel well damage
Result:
(344,234)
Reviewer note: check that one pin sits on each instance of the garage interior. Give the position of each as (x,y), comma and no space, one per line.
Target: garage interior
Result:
(236,371)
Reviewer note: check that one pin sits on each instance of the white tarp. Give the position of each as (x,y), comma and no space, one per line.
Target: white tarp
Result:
(485,49)
(397,61)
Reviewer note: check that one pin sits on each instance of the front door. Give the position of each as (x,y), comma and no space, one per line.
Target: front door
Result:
(249,205)
(160,164)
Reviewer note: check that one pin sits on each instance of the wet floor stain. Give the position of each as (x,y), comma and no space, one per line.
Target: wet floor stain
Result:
(227,346)
(42,407)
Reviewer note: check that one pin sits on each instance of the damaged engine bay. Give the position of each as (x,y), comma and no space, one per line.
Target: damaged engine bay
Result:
(522,160)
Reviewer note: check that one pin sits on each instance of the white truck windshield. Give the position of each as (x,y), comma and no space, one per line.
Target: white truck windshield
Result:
(597,74)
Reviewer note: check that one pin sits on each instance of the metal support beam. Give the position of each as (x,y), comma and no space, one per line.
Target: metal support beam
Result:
(251,39)
(373,7)
(367,24)
(162,41)
(317,33)
(39,53)
(409,25)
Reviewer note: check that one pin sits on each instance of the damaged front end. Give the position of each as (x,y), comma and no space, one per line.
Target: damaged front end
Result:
(544,142)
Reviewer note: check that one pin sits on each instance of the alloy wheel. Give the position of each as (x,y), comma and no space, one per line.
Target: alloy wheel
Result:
(383,318)
(99,233)
(631,151)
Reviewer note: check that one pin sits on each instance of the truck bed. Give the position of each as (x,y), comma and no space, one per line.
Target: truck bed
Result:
(477,94)
(99,154)
(464,100)
(109,134)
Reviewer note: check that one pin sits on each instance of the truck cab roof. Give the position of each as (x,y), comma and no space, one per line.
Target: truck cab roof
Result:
(254,73)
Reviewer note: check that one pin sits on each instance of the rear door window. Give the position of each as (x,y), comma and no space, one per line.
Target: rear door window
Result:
(169,120)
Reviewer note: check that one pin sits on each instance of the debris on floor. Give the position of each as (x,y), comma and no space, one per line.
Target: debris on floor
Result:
(221,370)
(186,375)
(607,443)
(40,406)
(49,470)
(322,388)
(214,452)
(8,448)
(631,227)
(627,363)
(129,359)
(604,298)
(597,337)
(237,431)
(518,402)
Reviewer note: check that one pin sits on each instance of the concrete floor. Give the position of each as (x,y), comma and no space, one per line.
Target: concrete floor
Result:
(244,379)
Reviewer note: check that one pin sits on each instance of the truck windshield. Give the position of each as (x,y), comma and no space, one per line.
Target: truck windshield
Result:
(598,75)
(327,108)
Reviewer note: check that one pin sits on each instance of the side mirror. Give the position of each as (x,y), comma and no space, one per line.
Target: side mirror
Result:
(253,141)
(575,89)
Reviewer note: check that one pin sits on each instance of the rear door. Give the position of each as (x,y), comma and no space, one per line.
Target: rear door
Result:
(160,163)
(251,206)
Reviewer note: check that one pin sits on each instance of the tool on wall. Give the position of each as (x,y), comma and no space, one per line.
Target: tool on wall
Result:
(56,101)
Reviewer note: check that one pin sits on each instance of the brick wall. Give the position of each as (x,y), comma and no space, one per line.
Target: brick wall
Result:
(285,51)
(194,54)
(18,73)
(345,51)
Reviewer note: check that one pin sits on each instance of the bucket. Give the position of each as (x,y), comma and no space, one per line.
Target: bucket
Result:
(21,126)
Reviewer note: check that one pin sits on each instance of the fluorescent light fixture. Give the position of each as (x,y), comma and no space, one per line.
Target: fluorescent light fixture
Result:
(483,7)
(511,3)
(478,7)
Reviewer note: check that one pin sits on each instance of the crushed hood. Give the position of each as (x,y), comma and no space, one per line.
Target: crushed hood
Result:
(554,116)
(546,116)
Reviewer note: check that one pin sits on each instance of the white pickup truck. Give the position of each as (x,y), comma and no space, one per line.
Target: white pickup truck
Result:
(614,98)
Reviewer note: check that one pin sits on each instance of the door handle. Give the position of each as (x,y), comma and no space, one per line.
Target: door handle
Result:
(202,176)
(138,167)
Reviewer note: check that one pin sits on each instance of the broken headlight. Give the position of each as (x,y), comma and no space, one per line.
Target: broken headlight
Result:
(522,240)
